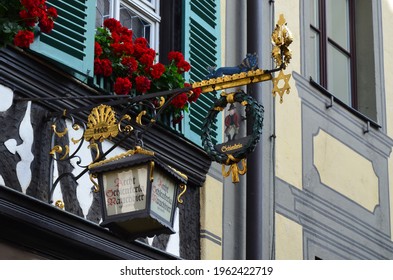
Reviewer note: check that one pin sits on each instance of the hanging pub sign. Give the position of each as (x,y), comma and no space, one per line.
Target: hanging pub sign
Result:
(139,193)
(235,148)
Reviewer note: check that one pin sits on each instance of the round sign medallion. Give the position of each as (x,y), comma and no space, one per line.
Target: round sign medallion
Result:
(233,150)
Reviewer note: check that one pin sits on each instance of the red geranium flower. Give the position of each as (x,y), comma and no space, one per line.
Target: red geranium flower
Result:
(142,84)
(183,66)
(139,50)
(52,12)
(30,13)
(126,34)
(157,70)
(122,86)
(98,67)
(112,24)
(27,19)
(46,24)
(115,37)
(128,48)
(117,49)
(130,62)
(176,56)
(24,38)
(106,67)
(97,49)
(147,60)
(141,41)
(195,93)
(180,100)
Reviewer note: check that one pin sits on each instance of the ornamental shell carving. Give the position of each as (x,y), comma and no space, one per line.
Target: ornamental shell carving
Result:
(101,124)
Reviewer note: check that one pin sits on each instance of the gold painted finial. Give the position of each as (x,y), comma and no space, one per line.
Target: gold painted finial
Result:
(59,204)
(281,39)
(282,55)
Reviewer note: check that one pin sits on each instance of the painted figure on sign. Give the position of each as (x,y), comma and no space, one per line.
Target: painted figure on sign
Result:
(232,123)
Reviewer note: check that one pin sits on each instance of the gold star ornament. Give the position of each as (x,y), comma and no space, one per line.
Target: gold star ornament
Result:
(281,85)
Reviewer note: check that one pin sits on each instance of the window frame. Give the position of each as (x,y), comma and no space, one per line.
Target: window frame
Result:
(148,11)
(325,40)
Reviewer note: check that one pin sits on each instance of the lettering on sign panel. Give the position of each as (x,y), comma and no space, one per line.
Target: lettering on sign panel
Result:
(125,191)
(162,195)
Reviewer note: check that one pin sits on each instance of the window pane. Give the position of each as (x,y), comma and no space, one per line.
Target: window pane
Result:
(339,79)
(314,9)
(102,12)
(337,17)
(315,56)
(139,26)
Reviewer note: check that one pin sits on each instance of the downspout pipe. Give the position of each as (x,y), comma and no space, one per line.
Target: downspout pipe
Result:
(259,174)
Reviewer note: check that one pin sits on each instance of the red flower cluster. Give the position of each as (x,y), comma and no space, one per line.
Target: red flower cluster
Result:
(31,13)
(24,38)
(178,58)
(195,93)
(131,66)
(180,100)
(142,84)
(116,53)
(122,86)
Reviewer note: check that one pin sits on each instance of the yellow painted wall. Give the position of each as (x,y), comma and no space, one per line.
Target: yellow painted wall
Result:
(387,23)
(289,239)
(345,171)
(288,113)
(289,235)
(211,219)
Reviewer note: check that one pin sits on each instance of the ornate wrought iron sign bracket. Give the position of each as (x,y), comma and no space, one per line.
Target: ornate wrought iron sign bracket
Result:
(103,123)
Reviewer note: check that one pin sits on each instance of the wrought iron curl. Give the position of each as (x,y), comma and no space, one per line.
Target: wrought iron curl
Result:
(63,152)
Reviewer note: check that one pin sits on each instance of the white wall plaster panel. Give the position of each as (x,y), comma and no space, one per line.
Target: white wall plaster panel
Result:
(24,150)
(6,97)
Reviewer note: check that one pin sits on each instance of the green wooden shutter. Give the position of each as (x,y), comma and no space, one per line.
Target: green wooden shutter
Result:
(71,42)
(201,49)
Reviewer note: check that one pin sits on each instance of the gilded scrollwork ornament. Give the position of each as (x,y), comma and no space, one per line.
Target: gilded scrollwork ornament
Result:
(282,55)
(281,39)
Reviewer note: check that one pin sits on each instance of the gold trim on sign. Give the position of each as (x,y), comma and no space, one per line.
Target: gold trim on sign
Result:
(151,171)
(59,204)
(139,117)
(183,187)
(59,134)
(235,170)
(95,146)
(230,81)
(67,150)
(96,186)
(137,150)
(56,150)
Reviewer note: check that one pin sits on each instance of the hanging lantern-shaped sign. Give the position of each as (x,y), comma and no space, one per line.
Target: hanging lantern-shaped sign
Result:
(139,193)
